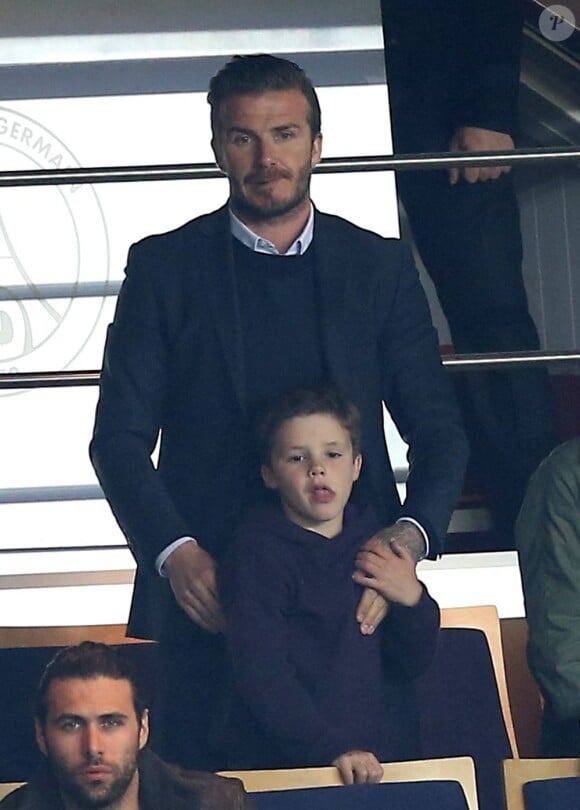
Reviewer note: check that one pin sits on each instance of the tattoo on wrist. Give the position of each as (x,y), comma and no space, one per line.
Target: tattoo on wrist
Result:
(415,545)
(409,536)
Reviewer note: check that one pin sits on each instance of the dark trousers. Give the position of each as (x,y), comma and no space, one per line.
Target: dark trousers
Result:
(559,738)
(189,698)
(469,239)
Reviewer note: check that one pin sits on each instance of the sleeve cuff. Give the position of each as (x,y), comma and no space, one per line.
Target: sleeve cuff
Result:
(161,558)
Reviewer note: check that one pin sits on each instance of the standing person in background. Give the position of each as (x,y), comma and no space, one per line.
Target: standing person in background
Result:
(453,75)
(264,294)
(548,542)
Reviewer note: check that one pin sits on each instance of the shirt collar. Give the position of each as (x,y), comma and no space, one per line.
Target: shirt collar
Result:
(260,245)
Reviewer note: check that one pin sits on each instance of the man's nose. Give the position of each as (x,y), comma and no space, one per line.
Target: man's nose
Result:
(265,153)
(93,741)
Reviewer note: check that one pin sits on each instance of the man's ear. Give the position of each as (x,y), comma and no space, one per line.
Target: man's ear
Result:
(357,465)
(316,151)
(39,734)
(217,154)
(268,477)
(144,729)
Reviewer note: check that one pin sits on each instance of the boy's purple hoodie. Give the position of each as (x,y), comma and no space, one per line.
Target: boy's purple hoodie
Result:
(307,686)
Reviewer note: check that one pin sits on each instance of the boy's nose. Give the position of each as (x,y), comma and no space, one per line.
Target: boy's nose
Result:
(317,469)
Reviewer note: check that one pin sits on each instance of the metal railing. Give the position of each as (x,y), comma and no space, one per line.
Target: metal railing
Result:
(454,362)
(204,171)
(46,292)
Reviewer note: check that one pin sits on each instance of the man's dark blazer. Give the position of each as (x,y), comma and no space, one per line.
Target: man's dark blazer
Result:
(160,785)
(174,361)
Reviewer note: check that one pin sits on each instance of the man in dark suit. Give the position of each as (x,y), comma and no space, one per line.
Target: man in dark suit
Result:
(262,295)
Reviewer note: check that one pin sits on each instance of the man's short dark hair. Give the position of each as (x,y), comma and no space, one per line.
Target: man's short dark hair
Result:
(87,660)
(256,74)
(305,402)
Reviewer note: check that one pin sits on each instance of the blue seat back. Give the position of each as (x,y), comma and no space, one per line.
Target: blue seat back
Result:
(553,794)
(460,710)
(431,795)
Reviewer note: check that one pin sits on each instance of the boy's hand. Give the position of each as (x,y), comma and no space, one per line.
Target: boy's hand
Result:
(191,573)
(358,766)
(389,570)
(373,607)
(371,611)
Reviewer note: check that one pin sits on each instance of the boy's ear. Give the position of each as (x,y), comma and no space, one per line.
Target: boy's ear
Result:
(268,477)
(357,465)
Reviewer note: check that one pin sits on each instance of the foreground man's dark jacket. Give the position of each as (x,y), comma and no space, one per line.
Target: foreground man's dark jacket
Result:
(160,786)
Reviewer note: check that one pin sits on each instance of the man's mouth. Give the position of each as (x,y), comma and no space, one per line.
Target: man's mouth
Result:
(264,179)
(96,772)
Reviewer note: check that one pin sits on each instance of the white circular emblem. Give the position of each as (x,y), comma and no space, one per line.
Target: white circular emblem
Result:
(49,235)
(557,23)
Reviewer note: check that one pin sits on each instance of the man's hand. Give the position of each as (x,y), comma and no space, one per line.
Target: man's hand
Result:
(192,575)
(390,571)
(358,766)
(373,607)
(475,139)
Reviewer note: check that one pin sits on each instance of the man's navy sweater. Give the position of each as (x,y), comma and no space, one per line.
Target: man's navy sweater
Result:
(307,685)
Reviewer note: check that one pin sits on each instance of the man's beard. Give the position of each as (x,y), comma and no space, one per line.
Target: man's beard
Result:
(92,795)
(270,208)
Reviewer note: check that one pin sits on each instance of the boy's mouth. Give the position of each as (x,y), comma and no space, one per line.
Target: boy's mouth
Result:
(321,494)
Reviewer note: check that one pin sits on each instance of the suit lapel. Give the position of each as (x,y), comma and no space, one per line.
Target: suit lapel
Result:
(344,321)
(220,283)
(332,262)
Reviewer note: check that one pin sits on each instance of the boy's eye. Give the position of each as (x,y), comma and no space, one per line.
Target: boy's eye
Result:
(296,457)
(334,454)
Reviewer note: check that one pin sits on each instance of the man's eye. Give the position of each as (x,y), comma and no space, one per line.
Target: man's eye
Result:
(70,725)
(240,139)
(286,135)
(111,722)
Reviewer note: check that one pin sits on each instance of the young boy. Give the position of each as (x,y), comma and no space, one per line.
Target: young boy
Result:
(309,688)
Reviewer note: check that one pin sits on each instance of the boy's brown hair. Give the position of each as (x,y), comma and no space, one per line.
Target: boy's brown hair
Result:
(305,402)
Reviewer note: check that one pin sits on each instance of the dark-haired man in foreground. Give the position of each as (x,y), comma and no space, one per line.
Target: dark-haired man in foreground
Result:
(92,727)
(263,295)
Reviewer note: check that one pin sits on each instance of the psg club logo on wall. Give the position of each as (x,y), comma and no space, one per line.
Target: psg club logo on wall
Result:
(53,239)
